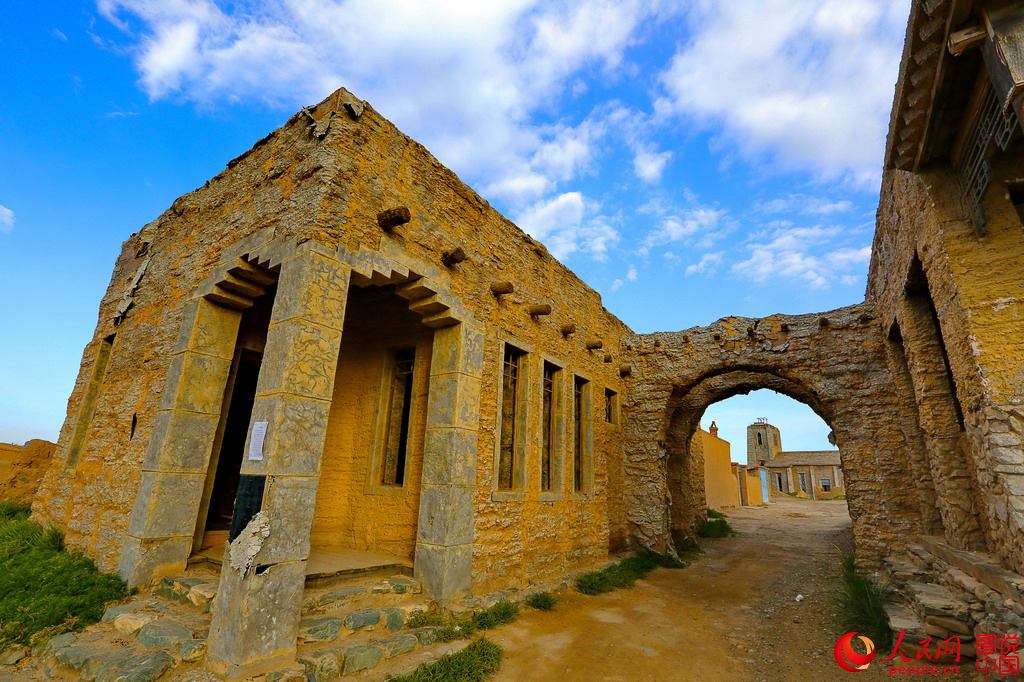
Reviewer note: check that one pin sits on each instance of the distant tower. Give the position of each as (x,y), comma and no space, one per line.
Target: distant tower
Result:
(713,429)
(763,443)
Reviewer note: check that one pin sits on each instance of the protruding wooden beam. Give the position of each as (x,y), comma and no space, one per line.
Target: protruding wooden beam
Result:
(393,217)
(595,344)
(568,329)
(966,38)
(539,309)
(453,257)
(502,288)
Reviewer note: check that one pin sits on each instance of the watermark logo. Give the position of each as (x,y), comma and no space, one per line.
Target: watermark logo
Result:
(848,658)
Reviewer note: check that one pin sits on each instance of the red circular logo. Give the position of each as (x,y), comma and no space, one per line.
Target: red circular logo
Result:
(848,658)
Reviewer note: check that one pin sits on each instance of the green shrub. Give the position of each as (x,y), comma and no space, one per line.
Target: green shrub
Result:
(861,605)
(475,663)
(715,514)
(624,573)
(499,614)
(542,601)
(715,528)
(11,511)
(44,589)
(424,619)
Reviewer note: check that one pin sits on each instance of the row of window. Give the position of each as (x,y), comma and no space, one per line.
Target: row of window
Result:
(512,428)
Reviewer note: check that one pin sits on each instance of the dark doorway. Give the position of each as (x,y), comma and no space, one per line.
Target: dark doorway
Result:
(232,449)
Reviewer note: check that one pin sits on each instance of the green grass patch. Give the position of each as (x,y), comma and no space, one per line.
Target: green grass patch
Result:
(624,573)
(715,528)
(542,601)
(45,590)
(424,619)
(715,514)
(861,605)
(500,613)
(475,663)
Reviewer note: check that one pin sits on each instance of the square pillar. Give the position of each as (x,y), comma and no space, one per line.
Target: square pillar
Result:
(174,468)
(444,540)
(256,613)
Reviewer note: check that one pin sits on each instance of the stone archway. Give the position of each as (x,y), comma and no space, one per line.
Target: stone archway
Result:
(835,362)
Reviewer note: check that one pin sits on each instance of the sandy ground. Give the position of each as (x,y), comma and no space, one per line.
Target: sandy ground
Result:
(731,615)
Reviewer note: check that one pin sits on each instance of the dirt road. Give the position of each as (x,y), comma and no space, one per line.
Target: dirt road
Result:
(732,615)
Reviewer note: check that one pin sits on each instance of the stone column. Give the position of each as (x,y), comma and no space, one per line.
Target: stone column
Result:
(940,426)
(174,469)
(256,612)
(444,540)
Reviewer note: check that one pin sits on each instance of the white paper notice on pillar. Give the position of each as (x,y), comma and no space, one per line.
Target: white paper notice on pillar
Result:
(259,434)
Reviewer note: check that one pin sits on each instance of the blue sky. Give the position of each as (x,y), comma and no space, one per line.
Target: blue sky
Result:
(689,160)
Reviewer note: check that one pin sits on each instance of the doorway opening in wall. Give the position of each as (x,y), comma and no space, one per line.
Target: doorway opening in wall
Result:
(229,463)
(367,504)
(224,473)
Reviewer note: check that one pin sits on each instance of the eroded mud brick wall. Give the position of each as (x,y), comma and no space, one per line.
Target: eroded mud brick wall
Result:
(324,177)
(926,249)
(22,467)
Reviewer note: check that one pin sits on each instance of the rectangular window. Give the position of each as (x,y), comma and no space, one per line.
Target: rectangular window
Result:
(759,442)
(778,483)
(803,481)
(552,377)
(396,424)
(826,484)
(511,374)
(580,425)
(610,406)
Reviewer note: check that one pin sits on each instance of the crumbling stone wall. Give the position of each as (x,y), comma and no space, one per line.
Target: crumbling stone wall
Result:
(22,467)
(834,362)
(975,285)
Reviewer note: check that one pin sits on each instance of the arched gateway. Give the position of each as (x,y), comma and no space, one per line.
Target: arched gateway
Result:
(835,362)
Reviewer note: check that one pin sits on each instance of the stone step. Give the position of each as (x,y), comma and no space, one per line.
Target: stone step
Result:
(352,656)
(906,568)
(929,599)
(980,566)
(128,645)
(196,590)
(390,591)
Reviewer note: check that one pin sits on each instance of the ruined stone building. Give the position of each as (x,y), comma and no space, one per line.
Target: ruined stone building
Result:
(816,474)
(338,343)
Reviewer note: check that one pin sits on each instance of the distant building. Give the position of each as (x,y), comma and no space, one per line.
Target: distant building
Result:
(816,474)
(726,483)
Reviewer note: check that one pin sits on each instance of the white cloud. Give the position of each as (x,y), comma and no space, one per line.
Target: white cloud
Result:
(6,219)
(58,34)
(800,253)
(802,203)
(631,274)
(566,225)
(681,225)
(649,165)
(804,85)
(708,263)
(463,78)
(848,256)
